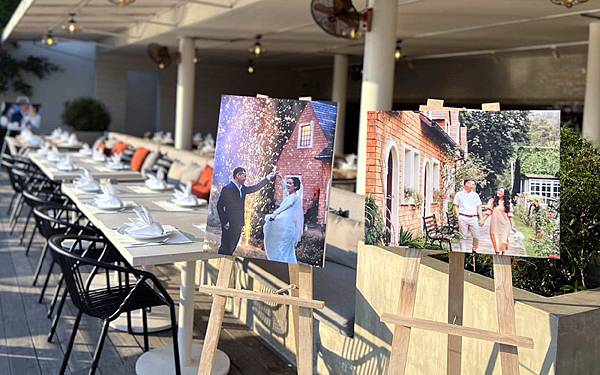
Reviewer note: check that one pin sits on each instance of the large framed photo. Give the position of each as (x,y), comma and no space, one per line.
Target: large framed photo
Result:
(270,192)
(470,181)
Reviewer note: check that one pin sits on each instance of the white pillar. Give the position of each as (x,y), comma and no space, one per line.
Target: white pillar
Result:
(339,91)
(378,75)
(591,108)
(184,109)
(186,312)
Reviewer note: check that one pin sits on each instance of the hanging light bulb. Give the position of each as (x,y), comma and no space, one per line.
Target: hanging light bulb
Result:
(257,49)
(195,60)
(568,3)
(161,66)
(71,25)
(121,3)
(398,54)
(48,39)
(250,67)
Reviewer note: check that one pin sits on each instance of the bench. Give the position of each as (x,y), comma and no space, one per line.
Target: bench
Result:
(436,235)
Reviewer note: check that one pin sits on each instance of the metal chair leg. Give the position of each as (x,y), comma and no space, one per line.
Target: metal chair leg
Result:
(99,348)
(17,216)
(30,240)
(46,283)
(65,361)
(61,304)
(55,297)
(145,326)
(10,205)
(175,340)
(40,262)
(26,225)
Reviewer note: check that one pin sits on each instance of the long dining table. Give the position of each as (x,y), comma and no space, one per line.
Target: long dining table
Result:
(189,221)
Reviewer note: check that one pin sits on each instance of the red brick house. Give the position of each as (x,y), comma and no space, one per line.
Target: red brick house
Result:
(308,155)
(406,163)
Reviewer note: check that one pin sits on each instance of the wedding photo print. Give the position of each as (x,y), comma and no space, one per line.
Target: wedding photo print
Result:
(469,181)
(272,176)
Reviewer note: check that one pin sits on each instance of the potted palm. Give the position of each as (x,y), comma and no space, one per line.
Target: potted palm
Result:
(86,116)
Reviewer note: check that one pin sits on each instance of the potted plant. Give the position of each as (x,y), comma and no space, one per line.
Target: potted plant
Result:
(413,197)
(87,116)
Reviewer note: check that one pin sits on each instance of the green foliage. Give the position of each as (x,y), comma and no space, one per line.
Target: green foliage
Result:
(473,167)
(580,205)
(539,160)
(416,197)
(7,7)
(539,275)
(376,233)
(86,114)
(13,72)
(494,137)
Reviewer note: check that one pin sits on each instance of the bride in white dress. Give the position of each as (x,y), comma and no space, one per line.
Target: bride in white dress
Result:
(283,228)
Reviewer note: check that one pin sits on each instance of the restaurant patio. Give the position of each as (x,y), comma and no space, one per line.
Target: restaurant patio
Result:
(110,112)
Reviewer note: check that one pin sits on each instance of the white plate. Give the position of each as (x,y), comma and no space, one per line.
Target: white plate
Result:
(117,167)
(167,187)
(87,189)
(109,208)
(166,234)
(199,202)
(71,168)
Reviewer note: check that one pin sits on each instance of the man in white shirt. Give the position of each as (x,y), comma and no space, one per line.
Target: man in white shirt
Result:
(467,207)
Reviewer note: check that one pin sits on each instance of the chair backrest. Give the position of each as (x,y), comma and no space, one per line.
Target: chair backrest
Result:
(429,224)
(57,219)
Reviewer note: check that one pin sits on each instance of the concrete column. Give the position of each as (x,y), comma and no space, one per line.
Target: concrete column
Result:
(591,109)
(378,75)
(184,109)
(339,92)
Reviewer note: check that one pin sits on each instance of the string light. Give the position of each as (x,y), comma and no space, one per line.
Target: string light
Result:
(398,52)
(250,67)
(71,25)
(257,49)
(48,39)
(121,3)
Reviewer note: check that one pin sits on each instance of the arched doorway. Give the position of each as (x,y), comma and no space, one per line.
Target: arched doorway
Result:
(391,186)
(389,189)
(427,189)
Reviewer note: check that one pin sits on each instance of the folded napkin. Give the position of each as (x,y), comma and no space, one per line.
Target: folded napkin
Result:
(72,140)
(64,137)
(43,151)
(158,136)
(34,140)
(56,133)
(115,161)
(143,224)
(167,138)
(86,182)
(197,139)
(85,150)
(98,155)
(108,198)
(184,196)
(64,164)
(156,181)
(208,145)
(53,154)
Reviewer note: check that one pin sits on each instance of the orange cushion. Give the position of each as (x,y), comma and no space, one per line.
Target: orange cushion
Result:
(201,188)
(119,148)
(138,158)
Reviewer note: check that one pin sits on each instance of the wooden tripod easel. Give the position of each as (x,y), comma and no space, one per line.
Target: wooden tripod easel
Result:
(404,321)
(300,299)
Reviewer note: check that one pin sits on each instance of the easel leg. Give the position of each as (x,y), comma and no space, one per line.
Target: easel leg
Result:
(304,341)
(293,272)
(406,307)
(505,306)
(456,288)
(215,320)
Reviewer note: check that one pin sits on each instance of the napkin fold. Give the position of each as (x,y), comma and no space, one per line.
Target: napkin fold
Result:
(184,195)
(72,140)
(65,164)
(167,138)
(43,151)
(98,155)
(143,224)
(115,161)
(108,198)
(86,182)
(157,136)
(53,154)
(156,181)
(85,150)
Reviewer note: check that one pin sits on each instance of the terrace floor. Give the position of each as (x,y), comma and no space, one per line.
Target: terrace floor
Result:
(24,325)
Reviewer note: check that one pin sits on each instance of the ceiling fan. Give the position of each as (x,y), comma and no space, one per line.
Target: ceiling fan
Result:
(340,18)
(161,56)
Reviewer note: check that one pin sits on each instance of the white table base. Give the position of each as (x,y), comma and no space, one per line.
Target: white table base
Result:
(159,361)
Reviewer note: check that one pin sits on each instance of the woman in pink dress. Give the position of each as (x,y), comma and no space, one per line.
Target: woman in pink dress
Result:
(501,223)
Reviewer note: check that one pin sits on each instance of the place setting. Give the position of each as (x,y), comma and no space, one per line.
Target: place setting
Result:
(65,164)
(86,183)
(142,230)
(182,200)
(155,183)
(85,150)
(115,163)
(109,201)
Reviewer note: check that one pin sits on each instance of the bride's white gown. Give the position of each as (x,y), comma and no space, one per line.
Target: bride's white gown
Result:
(283,234)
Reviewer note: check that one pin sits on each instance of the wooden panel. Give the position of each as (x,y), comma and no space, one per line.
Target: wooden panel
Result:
(456,288)
(304,354)
(406,307)
(293,273)
(458,330)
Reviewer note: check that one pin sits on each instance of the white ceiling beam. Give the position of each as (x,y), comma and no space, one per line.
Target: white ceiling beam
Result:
(212,4)
(23,7)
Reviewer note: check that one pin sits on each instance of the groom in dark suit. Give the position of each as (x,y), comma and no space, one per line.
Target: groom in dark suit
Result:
(230,207)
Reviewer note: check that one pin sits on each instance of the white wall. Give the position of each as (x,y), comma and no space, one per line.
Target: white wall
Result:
(76,78)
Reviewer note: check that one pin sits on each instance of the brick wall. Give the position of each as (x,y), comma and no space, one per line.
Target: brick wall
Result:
(402,130)
(315,174)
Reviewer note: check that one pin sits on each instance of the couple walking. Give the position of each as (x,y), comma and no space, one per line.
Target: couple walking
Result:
(468,208)
(282,229)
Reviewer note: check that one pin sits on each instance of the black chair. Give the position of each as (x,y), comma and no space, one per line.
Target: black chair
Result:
(108,303)
(33,199)
(451,228)
(434,234)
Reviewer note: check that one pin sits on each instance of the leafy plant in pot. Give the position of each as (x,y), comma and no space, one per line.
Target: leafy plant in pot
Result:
(87,116)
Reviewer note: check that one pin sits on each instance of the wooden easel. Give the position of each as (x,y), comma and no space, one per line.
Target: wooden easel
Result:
(404,321)
(300,300)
